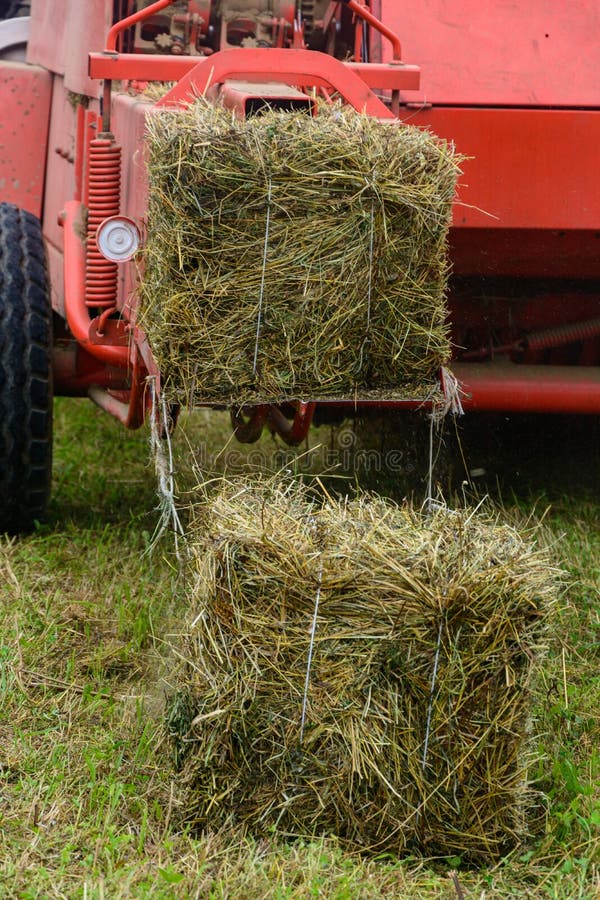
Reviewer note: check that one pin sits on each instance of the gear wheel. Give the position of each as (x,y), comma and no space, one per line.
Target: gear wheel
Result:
(307,11)
(311,11)
(163,41)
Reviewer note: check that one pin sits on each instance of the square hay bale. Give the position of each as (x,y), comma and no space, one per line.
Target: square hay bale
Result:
(359,669)
(295,257)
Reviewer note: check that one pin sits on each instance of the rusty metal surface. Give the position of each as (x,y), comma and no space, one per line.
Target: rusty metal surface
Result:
(25,103)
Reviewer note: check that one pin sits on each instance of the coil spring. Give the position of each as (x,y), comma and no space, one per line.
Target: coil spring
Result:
(572,333)
(104,194)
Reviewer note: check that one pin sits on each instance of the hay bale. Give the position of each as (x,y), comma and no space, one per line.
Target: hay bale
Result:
(409,729)
(291,256)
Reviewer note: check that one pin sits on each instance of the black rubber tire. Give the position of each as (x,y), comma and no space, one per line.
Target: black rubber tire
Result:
(25,372)
(11,9)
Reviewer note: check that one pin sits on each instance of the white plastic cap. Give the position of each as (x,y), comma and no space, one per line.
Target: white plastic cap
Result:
(118,238)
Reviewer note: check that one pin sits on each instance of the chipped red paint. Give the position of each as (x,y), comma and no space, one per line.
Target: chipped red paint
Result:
(25,92)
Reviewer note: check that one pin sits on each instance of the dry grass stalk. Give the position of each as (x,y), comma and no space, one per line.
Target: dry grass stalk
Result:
(416,702)
(291,256)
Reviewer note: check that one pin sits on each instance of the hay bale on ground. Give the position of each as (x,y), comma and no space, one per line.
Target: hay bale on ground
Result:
(409,729)
(291,256)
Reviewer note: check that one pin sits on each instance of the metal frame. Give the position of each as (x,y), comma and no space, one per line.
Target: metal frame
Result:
(120,345)
(154,67)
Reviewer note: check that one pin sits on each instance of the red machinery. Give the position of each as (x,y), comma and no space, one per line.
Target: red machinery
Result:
(515,86)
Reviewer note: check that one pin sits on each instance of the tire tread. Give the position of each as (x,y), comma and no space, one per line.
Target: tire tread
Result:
(25,371)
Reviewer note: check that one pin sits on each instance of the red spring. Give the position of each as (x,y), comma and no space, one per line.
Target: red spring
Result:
(572,333)
(104,195)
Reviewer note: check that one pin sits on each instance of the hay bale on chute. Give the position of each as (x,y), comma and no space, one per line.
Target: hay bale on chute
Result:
(358,669)
(291,256)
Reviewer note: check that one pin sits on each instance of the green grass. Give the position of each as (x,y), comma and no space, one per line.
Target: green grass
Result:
(89,802)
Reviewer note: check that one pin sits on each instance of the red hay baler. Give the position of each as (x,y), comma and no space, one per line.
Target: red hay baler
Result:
(515,86)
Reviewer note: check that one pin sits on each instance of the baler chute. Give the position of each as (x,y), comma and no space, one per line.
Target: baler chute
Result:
(523,297)
(285,77)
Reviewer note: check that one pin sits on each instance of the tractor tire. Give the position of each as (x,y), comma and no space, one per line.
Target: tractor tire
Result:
(25,372)
(13,9)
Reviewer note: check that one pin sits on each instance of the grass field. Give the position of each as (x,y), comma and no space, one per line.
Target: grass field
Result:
(89,802)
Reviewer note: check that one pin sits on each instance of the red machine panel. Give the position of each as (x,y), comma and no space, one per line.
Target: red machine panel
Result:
(60,174)
(501,52)
(529,197)
(25,92)
(63,50)
(525,169)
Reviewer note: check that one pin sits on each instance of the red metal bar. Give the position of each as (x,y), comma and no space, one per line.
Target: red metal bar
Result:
(154,67)
(139,16)
(91,122)
(506,387)
(298,36)
(248,430)
(388,76)
(358,37)
(298,67)
(131,412)
(139,66)
(76,311)
(295,431)
(79,151)
(85,332)
(74,371)
(364,13)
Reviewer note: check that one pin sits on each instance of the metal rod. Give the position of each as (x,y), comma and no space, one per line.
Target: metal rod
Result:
(124,24)
(364,13)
